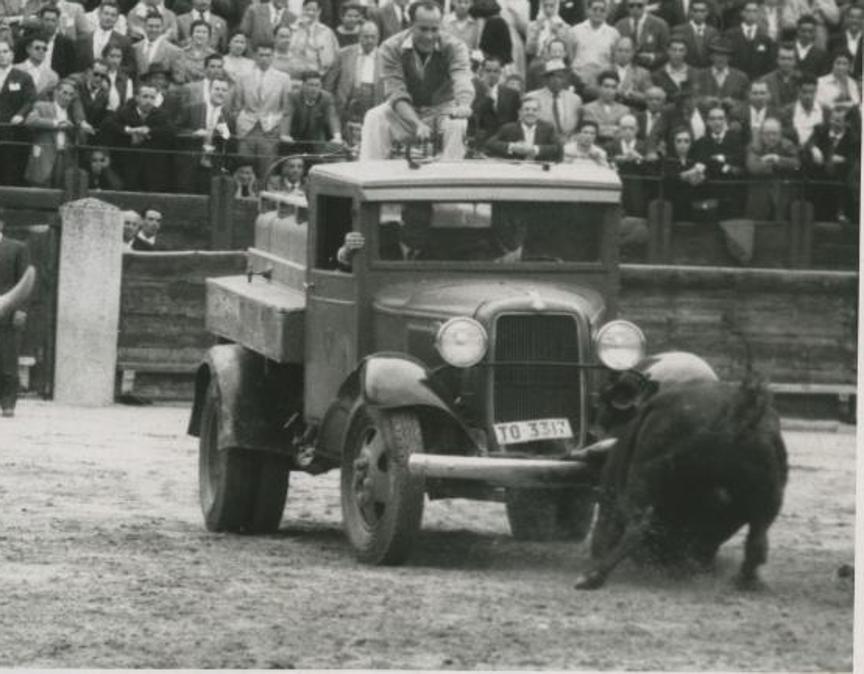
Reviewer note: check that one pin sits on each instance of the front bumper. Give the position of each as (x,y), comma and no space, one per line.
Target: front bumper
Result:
(580,466)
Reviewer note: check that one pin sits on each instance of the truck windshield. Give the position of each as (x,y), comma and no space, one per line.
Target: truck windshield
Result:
(501,231)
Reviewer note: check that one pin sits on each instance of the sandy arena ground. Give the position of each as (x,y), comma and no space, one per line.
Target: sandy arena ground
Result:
(106,563)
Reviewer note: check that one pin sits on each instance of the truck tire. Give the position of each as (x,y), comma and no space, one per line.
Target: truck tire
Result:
(382,505)
(240,490)
(550,515)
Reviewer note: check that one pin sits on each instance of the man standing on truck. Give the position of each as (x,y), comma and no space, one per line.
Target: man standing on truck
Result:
(427,83)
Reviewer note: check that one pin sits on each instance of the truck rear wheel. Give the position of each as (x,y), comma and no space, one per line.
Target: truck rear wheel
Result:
(240,490)
(382,505)
(550,515)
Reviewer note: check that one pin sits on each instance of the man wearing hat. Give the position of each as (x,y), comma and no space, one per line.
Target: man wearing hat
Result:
(650,34)
(155,49)
(720,81)
(559,106)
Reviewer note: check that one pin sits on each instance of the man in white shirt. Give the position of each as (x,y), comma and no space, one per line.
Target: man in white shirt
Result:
(837,88)
(145,240)
(36,65)
(529,138)
(92,46)
(313,45)
(802,116)
(546,27)
(593,41)
(138,16)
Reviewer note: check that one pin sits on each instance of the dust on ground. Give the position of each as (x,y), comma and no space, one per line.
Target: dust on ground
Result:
(106,563)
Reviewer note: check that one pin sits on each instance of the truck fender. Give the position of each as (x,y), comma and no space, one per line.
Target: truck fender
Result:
(240,376)
(384,381)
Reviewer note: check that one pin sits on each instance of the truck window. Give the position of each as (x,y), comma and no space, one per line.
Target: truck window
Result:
(510,231)
(333,222)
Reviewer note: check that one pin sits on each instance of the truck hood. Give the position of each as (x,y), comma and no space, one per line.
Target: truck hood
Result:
(481,299)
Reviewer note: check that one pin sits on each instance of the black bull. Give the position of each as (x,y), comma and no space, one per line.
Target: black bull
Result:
(697,462)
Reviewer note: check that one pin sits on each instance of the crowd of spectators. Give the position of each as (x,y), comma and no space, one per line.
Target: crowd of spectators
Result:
(689,98)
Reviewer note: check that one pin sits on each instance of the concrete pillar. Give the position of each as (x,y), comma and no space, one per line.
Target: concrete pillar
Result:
(88,302)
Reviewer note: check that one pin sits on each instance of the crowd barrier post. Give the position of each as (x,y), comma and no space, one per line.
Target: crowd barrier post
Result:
(221,213)
(800,234)
(659,232)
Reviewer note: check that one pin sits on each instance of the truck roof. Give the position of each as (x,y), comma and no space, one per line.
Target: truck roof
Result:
(471,180)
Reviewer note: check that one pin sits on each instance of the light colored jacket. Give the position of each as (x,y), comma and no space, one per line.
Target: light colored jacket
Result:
(342,77)
(264,104)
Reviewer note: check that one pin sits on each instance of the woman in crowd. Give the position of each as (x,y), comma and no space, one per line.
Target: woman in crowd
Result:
(236,64)
(682,176)
(838,87)
(196,51)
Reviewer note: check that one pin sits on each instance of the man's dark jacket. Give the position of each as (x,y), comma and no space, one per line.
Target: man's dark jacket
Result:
(544,138)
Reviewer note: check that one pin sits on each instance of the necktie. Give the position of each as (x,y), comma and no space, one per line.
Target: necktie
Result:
(556,113)
(113,96)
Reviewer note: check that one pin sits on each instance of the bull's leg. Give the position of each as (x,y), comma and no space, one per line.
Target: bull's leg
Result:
(633,536)
(755,554)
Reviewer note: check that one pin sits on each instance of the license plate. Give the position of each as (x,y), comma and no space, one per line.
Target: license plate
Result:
(514,432)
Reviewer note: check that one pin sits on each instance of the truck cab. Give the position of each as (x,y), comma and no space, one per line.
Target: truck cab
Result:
(453,350)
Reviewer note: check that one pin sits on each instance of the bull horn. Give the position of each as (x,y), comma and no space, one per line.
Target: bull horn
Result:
(18,294)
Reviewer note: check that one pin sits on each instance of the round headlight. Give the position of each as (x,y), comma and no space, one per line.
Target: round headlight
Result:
(462,342)
(620,345)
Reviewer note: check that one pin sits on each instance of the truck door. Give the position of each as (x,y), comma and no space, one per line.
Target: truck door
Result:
(331,305)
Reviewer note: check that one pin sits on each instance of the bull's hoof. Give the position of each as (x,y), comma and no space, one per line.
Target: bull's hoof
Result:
(589,581)
(745,583)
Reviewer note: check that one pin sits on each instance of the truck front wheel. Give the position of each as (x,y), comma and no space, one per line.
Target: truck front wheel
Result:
(241,491)
(382,505)
(549,515)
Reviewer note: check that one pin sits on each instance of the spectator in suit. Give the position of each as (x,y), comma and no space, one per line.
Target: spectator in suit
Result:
(259,102)
(556,50)
(14,260)
(824,14)
(313,45)
(92,18)
(198,90)
(683,177)
(849,39)
(137,17)
(155,48)
(494,104)
(351,18)
(676,78)
(355,79)
(809,57)
(145,239)
(235,62)
(205,128)
(832,154)
(582,147)
(650,34)
(606,112)
(261,20)
(529,138)
(783,81)
(654,124)
(119,81)
(291,177)
(311,114)
(92,93)
(461,24)
(45,79)
(392,18)
(697,35)
(546,27)
(721,152)
(92,46)
(131,227)
(748,118)
(633,80)
(420,98)
(592,42)
(720,81)
(770,157)
(283,59)
(102,177)
(752,49)
(838,88)
(194,55)
(628,155)
(17,95)
(54,128)
(201,12)
(805,114)
(60,49)
(139,125)
(559,106)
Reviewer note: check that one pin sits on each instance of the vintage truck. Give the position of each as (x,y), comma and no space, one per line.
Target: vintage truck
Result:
(457,354)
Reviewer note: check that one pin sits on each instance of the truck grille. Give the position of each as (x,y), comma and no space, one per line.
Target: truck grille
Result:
(536,391)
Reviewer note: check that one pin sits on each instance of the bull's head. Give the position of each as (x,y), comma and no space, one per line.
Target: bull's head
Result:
(18,294)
